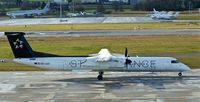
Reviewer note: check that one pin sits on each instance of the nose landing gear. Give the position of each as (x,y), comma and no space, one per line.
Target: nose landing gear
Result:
(180,74)
(100,76)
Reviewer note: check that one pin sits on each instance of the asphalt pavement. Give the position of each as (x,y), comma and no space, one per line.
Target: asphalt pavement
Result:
(78,33)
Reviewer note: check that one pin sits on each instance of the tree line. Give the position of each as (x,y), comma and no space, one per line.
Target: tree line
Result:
(22,4)
(143,5)
(168,5)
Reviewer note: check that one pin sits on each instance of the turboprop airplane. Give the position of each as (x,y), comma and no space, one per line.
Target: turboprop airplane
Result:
(102,61)
(28,13)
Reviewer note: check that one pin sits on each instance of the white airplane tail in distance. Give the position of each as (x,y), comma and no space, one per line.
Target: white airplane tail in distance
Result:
(29,13)
(100,62)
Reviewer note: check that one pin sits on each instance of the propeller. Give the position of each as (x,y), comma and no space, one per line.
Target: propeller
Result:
(127,61)
(126,52)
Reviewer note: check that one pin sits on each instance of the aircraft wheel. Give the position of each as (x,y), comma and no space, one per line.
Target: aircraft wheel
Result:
(101,73)
(180,74)
(100,77)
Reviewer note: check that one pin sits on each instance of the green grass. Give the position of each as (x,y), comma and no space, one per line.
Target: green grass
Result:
(137,45)
(192,61)
(12,66)
(188,17)
(155,25)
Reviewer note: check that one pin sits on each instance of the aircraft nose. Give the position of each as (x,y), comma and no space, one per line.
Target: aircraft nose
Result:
(185,67)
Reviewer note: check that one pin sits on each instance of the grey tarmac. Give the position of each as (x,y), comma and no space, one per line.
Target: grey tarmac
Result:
(140,32)
(82,20)
(55,86)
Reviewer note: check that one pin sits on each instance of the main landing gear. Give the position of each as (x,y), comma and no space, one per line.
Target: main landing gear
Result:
(100,76)
(180,74)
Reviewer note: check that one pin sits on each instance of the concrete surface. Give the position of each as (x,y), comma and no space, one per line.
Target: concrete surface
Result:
(52,86)
(79,20)
(116,32)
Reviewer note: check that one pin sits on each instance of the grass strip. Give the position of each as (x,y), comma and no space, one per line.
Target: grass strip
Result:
(113,26)
(137,45)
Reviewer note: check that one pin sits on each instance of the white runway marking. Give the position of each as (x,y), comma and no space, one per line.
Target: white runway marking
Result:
(7,88)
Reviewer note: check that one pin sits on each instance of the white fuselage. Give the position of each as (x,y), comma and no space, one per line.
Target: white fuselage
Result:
(148,64)
(28,13)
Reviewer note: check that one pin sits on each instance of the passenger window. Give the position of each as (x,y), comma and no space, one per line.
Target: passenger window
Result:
(175,61)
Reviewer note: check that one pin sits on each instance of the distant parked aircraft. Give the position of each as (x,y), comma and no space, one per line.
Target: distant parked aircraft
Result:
(163,15)
(102,61)
(28,13)
(85,14)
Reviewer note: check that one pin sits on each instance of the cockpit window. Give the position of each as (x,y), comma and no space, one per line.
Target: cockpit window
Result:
(175,61)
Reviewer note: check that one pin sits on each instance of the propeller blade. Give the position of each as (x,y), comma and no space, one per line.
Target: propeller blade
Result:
(126,66)
(127,61)
(126,52)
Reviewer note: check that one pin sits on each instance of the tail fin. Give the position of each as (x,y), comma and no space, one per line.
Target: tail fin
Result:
(154,10)
(46,8)
(19,45)
(21,48)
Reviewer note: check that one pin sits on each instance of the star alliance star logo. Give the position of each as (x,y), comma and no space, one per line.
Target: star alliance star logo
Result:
(18,44)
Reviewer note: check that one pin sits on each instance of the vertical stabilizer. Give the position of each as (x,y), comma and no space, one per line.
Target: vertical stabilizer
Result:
(21,48)
(47,7)
(19,45)
(154,10)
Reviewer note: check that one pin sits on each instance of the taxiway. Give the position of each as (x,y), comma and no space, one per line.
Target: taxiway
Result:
(81,20)
(53,86)
(77,33)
